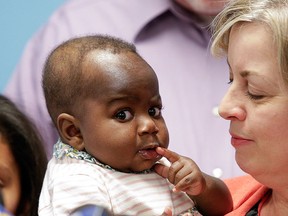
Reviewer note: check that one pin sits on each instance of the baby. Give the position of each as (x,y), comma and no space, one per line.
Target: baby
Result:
(104,99)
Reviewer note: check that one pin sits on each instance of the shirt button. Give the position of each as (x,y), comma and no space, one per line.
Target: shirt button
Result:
(215,111)
(217,172)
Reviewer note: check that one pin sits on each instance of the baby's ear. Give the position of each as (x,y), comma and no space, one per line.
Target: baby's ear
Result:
(69,131)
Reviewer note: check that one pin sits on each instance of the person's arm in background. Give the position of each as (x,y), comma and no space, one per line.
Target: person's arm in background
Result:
(210,194)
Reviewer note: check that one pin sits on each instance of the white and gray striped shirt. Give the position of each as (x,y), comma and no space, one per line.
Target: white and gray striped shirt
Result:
(70,183)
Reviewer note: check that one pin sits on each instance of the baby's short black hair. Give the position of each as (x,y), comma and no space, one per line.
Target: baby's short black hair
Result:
(63,81)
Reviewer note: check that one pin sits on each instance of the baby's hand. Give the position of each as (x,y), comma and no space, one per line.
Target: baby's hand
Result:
(183,172)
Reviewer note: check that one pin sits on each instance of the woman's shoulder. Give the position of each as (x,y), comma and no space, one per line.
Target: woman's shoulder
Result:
(245,191)
(244,186)
(240,180)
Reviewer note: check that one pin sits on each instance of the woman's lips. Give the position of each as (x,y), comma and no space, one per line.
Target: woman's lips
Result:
(239,141)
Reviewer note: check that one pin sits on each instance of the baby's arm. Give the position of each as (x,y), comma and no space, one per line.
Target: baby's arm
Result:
(211,195)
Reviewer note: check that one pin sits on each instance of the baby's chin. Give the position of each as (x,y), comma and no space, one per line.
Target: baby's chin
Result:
(144,167)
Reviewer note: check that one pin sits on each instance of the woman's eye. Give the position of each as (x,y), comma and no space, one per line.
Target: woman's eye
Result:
(154,111)
(254,97)
(124,115)
(230,81)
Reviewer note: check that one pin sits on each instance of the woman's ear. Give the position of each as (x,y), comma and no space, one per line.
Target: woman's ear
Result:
(69,131)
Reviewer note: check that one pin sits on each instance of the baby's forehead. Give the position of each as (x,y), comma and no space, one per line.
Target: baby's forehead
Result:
(102,56)
(110,55)
(123,64)
(115,71)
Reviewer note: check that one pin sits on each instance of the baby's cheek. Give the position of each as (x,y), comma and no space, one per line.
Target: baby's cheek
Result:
(165,137)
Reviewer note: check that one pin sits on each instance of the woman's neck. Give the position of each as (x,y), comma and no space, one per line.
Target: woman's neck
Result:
(275,204)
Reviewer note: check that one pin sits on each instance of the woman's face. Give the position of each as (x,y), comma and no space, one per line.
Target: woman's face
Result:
(9,177)
(256,103)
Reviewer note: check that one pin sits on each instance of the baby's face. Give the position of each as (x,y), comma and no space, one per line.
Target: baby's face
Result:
(123,125)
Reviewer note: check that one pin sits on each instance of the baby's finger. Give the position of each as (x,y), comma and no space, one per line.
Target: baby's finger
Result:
(161,170)
(180,172)
(191,185)
(170,155)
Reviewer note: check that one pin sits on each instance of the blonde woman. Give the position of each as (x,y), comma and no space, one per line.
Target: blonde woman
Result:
(253,35)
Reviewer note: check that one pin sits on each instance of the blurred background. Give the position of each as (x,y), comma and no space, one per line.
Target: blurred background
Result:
(18,22)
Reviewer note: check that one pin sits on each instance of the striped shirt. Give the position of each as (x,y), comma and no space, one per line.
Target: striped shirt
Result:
(70,183)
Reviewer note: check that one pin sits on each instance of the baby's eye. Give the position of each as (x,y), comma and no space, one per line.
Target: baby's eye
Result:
(124,115)
(154,111)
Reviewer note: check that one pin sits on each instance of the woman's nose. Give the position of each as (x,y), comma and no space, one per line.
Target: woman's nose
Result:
(232,106)
(147,125)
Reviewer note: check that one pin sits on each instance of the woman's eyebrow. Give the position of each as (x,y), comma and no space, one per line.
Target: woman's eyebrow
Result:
(244,73)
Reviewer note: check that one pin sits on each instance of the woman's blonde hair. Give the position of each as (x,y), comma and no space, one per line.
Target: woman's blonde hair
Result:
(272,13)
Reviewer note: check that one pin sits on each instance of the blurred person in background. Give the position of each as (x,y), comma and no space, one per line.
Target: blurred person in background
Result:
(22,161)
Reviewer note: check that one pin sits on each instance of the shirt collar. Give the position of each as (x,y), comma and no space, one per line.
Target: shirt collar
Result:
(152,10)
(62,150)
(149,12)
(188,16)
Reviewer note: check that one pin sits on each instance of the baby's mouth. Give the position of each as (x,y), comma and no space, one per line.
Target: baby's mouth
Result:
(149,154)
